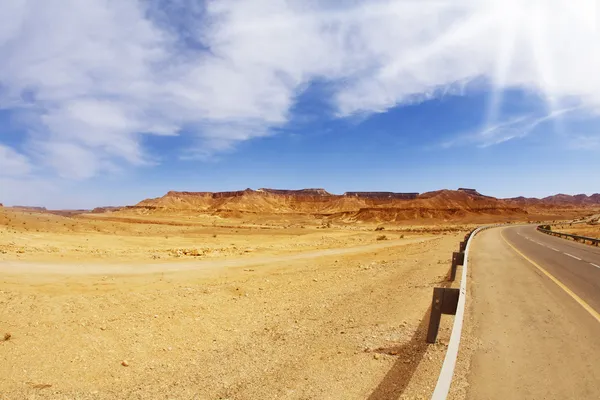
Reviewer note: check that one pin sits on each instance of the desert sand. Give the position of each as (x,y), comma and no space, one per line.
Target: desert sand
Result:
(250,296)
(270,312)
(588,225)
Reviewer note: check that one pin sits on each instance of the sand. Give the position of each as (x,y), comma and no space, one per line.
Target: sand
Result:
(280,311)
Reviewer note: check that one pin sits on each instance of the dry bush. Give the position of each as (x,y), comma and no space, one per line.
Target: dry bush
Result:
(382,237)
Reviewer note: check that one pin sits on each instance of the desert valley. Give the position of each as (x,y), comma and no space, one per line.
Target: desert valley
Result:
(241,295)
(184,225)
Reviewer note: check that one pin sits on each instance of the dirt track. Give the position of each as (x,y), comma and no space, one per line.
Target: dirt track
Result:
(16,267)
(345,325)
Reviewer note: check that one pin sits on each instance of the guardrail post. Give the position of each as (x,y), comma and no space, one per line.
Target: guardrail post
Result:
(445,301)
(458,258)
(436,314)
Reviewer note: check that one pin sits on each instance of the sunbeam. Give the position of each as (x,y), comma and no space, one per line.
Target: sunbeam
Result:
(543,60)
(508,32)
(532,52)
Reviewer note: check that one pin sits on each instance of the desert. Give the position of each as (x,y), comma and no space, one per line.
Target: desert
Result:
(241,295)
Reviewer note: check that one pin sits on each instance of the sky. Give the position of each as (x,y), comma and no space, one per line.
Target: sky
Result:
(108,102)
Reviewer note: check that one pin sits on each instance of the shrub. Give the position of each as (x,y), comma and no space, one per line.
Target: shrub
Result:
(382,237)
(379,228)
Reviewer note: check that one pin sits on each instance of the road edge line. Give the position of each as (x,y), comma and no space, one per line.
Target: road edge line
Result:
(578,299)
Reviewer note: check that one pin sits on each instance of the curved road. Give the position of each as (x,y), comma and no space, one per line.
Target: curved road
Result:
(574,264)
(535,309)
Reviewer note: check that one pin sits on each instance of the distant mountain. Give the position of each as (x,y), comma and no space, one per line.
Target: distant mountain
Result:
(27,208)
(351,206)
(99,210)
(359,206)
(558,200)
(578,199)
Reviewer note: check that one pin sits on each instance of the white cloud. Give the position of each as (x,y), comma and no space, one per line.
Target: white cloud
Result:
(13,163)
(512,128)
(97,75)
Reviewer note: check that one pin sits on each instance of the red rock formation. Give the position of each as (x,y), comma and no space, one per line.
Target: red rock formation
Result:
(311,192)
(383,195)
(358,206)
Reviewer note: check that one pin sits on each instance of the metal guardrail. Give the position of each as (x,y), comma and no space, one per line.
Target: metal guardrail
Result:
(457,299)
(577,238)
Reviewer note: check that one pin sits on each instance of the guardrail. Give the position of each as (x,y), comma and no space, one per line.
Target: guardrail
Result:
(451,301)
(577,238)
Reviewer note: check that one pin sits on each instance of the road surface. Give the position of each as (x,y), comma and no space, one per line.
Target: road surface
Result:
(536,315)
(576,265)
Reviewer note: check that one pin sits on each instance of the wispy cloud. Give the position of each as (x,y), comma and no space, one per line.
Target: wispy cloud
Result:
(512,128)
(96,76)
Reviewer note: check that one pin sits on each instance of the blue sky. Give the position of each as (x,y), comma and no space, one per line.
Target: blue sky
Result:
(113,102)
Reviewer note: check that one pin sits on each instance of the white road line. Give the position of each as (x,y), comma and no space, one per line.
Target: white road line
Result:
(597,266)
(571,255)
(553,248)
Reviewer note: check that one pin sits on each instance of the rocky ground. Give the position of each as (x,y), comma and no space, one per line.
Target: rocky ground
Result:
(587,226)
(291,323)
(29,236)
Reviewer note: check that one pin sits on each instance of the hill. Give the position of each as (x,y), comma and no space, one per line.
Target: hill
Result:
(349,207)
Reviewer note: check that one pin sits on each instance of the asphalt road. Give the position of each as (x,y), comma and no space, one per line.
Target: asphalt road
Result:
(533,326)
(574,264)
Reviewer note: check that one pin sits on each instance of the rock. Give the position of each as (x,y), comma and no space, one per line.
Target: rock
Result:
(125,363)
(7,336)
(376,356)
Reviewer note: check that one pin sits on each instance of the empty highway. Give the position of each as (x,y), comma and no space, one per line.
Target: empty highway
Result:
(574,264)
(535,316)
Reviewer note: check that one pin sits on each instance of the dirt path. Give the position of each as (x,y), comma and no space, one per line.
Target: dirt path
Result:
(533,340)
(12,267)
